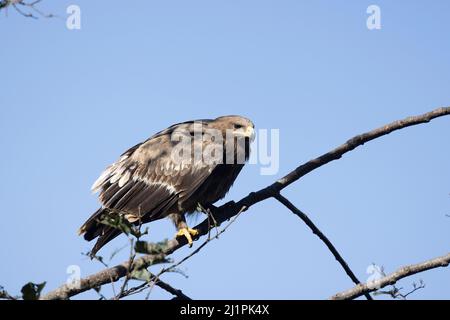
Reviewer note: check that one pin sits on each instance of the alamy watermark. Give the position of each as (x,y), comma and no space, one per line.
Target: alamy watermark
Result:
(74,279)
(73,21)
(208,146)
(375,274)
(373,22)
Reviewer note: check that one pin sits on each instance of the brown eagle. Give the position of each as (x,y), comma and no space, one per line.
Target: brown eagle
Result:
(170,174)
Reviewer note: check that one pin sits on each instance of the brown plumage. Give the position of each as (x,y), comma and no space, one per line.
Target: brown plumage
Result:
(154,179)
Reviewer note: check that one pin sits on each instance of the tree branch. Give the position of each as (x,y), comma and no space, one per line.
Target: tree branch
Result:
(322,237)
(4,295)
(176,292)
(179,295)
(230,209)
(103,277)
(4,4)
(392,278)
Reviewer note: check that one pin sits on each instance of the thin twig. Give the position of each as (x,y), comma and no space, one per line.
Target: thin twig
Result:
(391,279)
(158,282)
(4,295)
(26,15)
(197,250)
(176,292)
(130,264)
(134,290)
(30,5)
(322,237)
(396,293)
(100,259)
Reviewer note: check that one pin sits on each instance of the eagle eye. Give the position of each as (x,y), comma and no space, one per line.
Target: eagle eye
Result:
(238,126)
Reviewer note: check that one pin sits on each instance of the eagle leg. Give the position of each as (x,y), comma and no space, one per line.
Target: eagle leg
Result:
(206,207)
(209,209)
(183,229)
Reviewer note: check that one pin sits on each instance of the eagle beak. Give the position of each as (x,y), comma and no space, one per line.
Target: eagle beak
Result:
(250,132)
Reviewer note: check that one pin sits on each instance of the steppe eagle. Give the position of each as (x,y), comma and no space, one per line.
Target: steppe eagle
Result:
(170,174)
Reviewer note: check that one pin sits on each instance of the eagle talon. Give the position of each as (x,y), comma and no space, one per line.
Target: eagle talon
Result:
(188,233)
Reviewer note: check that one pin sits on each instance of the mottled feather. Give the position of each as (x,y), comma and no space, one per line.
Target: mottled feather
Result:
(147,184)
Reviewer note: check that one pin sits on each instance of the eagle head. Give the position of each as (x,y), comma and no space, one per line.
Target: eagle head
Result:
(238,126)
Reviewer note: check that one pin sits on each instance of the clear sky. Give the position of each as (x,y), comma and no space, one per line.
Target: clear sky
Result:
(71,101)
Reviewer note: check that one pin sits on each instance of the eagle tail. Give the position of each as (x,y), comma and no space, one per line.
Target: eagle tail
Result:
(92,229)
(107,235)
(91,226)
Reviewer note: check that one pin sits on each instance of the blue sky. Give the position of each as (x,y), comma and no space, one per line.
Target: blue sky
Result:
(71,101)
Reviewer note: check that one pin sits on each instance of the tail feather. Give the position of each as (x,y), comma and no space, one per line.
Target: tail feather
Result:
(92,225)
(107,235)
(92,229)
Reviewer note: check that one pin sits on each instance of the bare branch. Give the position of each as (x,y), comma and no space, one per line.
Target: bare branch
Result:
(337,153)
(396,293)
(25,14)
(197,250)
(128,275)
(4,4)
(176,292)
(4,295)
(33,8)
(391,279)
(322,237)
(179,295)
(103,277)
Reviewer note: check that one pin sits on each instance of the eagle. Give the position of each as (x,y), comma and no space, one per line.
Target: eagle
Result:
(187,166)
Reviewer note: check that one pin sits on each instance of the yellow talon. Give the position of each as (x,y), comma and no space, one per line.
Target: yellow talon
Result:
(188,233)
